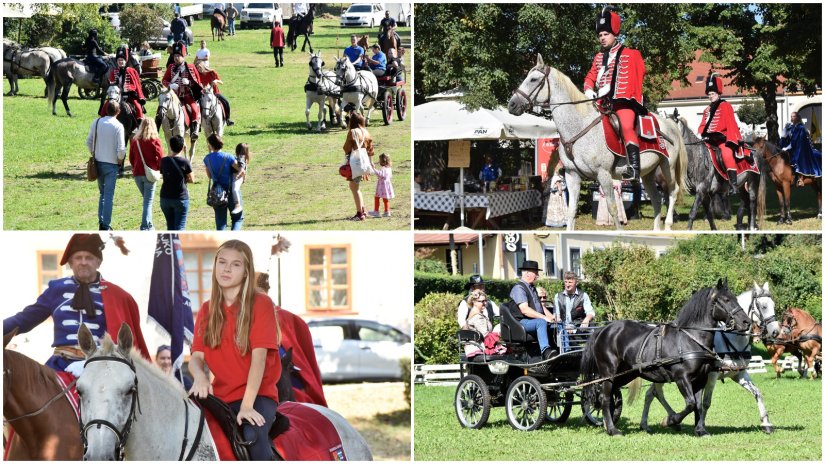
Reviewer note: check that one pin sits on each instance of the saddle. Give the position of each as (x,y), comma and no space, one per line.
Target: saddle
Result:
(228,421)
(743,157)
(650,136)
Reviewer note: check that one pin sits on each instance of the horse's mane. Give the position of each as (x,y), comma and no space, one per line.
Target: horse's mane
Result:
(696,310)
(33,372)
(801,316)
(145,366)
(567,85)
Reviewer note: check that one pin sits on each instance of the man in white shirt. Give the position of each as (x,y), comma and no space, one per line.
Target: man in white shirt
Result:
(107,143)
(202,55)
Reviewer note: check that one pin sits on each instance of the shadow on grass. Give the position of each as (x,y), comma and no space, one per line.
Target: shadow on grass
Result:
(397,417)
(51,175)
(296,128)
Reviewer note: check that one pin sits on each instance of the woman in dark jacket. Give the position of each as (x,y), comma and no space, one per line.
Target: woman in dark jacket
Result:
(93,56)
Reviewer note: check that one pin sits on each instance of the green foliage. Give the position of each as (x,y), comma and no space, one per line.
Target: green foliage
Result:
(752,112)
(497,289)
(795,275)
(435,329)
(431,266)
(139,23)
(406,377)
(64,25)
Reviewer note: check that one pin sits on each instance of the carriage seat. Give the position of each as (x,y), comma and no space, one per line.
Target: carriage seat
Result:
(511,330)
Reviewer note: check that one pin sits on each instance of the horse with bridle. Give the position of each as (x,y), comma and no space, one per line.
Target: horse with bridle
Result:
(171,119)
(218,25)
(359,88)
(680,351)
(212,118)
(735,351)
(133,411)
(36,407)
(801,335)
(70,71)
(781,174)
(301,27)
(583,141)
(126,116)
(322,89)
(19,61)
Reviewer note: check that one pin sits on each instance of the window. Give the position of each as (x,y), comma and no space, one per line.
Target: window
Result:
(381,334)
(550,262)
(48,268)
(576,261)
(198,264)
(700,79)
(520,257)
(328,280)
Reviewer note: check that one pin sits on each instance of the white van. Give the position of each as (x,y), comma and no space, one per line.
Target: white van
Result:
(401,12)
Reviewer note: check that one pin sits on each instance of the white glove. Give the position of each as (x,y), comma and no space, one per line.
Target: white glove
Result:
(184,81)
(589,93)
(173,86)
(75,368)
(604,91)
(786,148)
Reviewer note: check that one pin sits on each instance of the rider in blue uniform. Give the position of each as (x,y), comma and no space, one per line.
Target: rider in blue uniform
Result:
(805,159)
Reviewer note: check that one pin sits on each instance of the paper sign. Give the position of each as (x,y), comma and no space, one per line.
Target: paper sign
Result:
(459,154)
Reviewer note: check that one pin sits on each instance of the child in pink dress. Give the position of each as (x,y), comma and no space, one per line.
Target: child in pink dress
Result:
(383,188)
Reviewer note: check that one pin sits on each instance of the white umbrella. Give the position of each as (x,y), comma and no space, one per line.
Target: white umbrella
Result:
(451,120)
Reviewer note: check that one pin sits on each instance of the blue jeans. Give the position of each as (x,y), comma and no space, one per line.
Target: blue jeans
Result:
(537,327)
(261,447)
(106,178)
(175,211)
(147,190)
(221,213)
(232,26)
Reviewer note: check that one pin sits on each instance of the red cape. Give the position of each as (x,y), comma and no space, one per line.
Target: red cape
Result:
(120,307)
(295,334)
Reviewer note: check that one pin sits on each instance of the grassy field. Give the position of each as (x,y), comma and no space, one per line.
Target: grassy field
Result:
(378,411)
(794,407)
(293,179)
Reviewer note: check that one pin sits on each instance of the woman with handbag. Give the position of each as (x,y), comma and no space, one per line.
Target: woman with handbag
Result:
(174,196)
(145,152)
(221,168)
(358,144)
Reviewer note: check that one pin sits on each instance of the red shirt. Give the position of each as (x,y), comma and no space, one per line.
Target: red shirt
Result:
(152,153)
(231,369)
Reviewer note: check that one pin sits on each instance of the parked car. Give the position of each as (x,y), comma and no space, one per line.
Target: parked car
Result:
(261,15)
(358,349)
(162,39)
(363,14)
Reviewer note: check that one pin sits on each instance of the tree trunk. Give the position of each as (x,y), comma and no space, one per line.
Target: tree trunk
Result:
(430,162)
(772,121)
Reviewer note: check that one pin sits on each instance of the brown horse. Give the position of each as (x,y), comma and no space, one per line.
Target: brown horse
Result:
(782,177)
(804,333)
(51,434)
(218,26)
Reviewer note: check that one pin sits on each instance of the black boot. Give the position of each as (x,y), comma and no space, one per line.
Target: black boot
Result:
(193,134)
(732,180)
(633,168)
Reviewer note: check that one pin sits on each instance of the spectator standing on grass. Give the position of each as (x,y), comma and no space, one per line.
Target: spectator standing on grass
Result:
(174,196)
(277,42)
(145,148)
(106,142)
(231,14)
(221,168)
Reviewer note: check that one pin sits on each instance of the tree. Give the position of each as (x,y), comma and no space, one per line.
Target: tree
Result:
(752,112)
(63,25)
(139,23)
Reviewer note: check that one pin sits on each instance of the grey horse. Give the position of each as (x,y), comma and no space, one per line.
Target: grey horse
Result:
(18,61)
(69,71)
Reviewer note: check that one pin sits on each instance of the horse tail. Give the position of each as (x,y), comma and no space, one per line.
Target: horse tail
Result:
(633,389)
(588,368)
(760,196)
(50,86)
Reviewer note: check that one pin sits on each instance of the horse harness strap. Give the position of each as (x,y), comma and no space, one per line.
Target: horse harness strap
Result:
(197,440)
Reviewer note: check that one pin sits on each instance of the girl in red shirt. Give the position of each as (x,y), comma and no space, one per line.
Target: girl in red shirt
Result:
(237,336)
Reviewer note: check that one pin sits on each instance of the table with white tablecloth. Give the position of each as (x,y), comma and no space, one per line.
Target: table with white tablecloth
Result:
(496,204)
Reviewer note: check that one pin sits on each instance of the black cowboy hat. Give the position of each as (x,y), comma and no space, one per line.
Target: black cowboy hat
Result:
(529,265)
(475,279)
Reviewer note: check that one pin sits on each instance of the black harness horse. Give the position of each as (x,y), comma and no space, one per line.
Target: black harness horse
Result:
(680,351)
(301,27)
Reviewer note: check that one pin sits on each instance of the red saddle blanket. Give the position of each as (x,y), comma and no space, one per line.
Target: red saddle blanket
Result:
(615,145)
(310,437)
(742,163)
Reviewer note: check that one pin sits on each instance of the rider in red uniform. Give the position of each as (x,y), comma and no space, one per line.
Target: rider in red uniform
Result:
(128,80)
(210,77)
(719,127)
(183,79)
(621,84)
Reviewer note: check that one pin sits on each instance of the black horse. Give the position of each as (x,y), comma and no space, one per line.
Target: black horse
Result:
(680,351)
(302,27)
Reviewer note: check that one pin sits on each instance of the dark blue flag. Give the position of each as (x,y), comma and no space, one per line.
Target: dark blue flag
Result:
(169,304)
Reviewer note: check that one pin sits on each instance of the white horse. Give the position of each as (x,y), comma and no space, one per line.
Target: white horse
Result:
(589,157)
(211,113)
(322,88)
(131,410)
(360,89)
(19,61)
(735,351)
(171,118)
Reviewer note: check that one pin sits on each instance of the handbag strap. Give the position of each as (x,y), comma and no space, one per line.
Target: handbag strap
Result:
(219,172)
(94,140)
(175,164)
(140,151)
(358,143)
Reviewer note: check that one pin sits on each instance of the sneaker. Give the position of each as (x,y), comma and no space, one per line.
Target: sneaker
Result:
(374,214)
(357,217)
(386,214)
(237,209)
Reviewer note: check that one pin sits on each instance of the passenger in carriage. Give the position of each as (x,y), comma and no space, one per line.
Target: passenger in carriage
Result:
(355,53)
(394,65)
(478,319)
(573,306)
(534,318)
(378,62)
(476,284)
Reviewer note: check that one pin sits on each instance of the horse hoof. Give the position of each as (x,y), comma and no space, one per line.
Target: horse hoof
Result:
(701,433)
(614,433)
(767,429)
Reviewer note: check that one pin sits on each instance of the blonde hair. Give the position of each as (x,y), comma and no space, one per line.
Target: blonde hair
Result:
(475,295)
(248,293)
(147,130)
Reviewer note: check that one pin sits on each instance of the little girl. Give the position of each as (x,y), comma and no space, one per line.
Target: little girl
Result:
(242,154)
(383,188)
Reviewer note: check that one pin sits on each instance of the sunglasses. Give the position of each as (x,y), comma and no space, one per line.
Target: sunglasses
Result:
(542,298)
(482,301)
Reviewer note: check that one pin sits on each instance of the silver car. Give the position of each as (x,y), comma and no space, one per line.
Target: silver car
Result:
(165,36)
(358,349)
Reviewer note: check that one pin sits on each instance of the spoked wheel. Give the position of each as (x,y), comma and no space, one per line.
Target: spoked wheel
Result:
(526,404)
(86,94)
(401,104)
(559,406)
(472,402)
(151,89)
(593,413)
(387,107)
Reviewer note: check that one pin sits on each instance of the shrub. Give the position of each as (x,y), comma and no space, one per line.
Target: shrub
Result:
(795,275)
(139,23)
(431,266)
(406,376)
(435,329)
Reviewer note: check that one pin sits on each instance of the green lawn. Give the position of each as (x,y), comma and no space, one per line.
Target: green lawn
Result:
(293,180)
(794,407)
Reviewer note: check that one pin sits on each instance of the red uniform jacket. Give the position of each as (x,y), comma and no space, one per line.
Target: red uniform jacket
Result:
(629,78)
(131,81)
(276,37)
(210,77)
(295,334)
(188,71)
(120,307)
(724,122)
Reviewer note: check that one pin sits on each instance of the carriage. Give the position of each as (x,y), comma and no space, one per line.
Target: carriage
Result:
(150,76)
(392,96)
(531,389)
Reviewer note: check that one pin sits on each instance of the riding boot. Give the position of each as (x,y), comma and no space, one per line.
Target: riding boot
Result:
(732,180)
(193,135)
(633,164)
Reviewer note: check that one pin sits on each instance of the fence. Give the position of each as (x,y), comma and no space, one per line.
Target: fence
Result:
(449,374)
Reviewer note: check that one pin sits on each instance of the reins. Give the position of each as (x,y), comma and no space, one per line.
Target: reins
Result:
(48,403)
